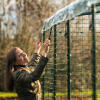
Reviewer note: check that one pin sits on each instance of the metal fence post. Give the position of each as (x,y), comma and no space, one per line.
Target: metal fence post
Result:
(54,62)
(68,59)
(93,54)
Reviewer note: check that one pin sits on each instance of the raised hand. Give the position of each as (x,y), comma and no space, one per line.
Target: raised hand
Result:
(46,45)
(38,47)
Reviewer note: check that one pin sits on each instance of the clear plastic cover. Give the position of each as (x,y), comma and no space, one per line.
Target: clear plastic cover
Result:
(74,9)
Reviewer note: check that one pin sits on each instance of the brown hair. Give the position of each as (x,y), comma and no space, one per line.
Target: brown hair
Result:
(11,60)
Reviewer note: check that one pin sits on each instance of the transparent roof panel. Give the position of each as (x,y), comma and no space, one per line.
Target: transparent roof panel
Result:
(70,11)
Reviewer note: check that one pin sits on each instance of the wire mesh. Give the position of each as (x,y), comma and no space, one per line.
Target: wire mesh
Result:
(81,65)
(97,29)
(81,60)
(61,61)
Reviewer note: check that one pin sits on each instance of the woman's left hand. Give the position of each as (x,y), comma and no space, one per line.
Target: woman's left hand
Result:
(46,45)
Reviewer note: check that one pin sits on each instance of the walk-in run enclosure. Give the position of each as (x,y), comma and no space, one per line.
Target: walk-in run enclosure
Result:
(73,70)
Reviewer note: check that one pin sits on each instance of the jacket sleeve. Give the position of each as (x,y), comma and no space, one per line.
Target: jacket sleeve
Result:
(24,76)
(34,61)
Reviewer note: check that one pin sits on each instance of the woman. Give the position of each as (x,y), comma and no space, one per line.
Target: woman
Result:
(24,75)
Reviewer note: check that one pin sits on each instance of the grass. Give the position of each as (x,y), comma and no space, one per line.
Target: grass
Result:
(8,94)
(74,93)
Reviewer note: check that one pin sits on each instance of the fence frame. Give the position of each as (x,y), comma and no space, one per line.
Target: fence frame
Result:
(94,95)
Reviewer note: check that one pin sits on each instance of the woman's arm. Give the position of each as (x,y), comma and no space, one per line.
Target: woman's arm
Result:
(34,61)
(36,57)
(39,69)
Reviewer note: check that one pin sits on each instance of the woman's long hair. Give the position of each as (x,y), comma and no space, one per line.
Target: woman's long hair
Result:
(11,60)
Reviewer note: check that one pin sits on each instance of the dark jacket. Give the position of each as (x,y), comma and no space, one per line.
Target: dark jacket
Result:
(26,80)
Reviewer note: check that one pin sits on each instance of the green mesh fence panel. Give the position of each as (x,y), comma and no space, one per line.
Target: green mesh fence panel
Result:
(81,65)
(97,30)
(60,69)
(84,33)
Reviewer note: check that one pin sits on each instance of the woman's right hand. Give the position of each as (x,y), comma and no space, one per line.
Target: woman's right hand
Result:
(46,45)
(38,47)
